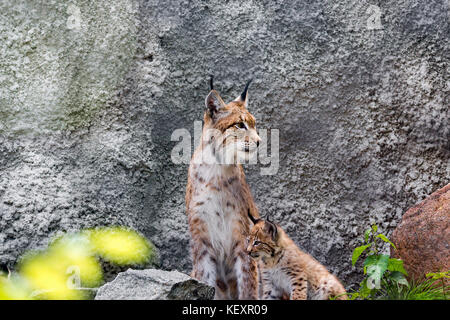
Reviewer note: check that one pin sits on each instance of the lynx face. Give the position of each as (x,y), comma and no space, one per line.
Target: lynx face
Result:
(287,271)
(263,239)
(230,129)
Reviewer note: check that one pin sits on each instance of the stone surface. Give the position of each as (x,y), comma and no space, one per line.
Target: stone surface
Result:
(422,238)
(90,92)
(191,290)
(153,284)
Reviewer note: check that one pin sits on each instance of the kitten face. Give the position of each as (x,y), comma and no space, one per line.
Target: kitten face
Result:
(262,242)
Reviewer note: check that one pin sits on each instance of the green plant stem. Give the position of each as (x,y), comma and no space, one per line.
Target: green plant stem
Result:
(443,289)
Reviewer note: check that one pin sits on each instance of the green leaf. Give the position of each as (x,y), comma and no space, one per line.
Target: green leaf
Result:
(372,259)
(438,275)
(358,251)
(396,265)
(398,277)
(353,295)
(364,291)
(375,228)
(376,266)
(385,239)
(367,234)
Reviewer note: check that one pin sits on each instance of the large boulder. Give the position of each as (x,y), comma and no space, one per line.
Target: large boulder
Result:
(154,284)
(91,91)
(423,236)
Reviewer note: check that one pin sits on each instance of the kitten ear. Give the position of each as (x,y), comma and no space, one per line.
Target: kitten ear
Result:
(252,218)
(214,103)
(243,97)
(272,229)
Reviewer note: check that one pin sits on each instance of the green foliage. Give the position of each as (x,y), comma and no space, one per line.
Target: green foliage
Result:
(375,265)
(427,289)
(396,265)
(357,252)
(69,267)
(397,278)
(385,276)
(385,239)
(439,275)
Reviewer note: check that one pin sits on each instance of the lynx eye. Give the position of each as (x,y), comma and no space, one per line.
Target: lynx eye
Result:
(256,242)
(241,126)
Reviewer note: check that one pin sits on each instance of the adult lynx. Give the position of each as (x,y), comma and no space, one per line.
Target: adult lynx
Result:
(218,199)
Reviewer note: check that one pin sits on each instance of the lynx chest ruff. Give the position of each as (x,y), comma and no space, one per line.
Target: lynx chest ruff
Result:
(218,203)
(281,281)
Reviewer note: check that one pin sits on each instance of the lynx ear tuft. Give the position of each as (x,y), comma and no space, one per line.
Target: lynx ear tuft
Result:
(244,93)
(243,97)
(214,103)
(211,86)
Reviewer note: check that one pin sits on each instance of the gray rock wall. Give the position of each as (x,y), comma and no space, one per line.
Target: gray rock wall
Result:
(90,92)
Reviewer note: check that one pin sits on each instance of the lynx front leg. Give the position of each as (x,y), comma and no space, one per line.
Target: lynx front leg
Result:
(266,287)
(270,290)
(247,276)
(204,262)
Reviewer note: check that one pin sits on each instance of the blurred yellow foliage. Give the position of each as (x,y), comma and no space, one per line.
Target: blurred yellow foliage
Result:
(70,264)
(78,259)
(45,273)
(13,288)
(120,246)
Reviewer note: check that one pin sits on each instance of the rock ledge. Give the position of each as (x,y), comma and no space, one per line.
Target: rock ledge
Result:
(154,284)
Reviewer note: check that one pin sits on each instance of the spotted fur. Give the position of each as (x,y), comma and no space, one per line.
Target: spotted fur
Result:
(287,271)
(218,199)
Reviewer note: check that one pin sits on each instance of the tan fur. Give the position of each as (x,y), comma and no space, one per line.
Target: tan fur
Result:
(218,199)
(287,270)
